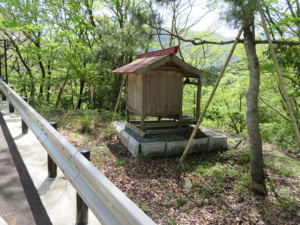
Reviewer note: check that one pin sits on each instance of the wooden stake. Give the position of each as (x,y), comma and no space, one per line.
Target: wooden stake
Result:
(210,98)
(119,97)
(280,77)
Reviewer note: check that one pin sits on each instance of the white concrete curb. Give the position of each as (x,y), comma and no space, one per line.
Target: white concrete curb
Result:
(2,222)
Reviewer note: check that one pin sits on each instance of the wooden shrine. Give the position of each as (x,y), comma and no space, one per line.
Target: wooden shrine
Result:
(154,88)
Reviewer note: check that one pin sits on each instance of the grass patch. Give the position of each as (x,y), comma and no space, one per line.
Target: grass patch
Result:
(120,162)
(180,201)
(84,122)
(144,157)
(245,156)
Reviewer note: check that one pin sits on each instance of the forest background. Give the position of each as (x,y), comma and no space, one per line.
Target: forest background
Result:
(61,54)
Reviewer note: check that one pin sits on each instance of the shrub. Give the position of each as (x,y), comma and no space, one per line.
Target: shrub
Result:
(84,122)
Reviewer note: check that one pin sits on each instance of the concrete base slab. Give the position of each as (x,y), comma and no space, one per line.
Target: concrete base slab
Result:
(175,148)
(134,146)
(154,149)
(119,134)
(210,141)
(125,138)
(118,130)
(58,196)
(198,145)
(215,143)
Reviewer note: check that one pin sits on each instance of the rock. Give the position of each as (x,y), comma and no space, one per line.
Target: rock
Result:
(298,214)
(237,219)
(186,183)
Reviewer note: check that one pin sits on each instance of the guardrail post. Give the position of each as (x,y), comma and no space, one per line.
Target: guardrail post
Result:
(11,107)
(82,210)
(24,125)
(52,167)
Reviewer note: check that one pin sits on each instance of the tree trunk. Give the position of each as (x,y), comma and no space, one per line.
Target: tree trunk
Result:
(252,117)
(61,90)
(49,81)
(43,77)
(82,82)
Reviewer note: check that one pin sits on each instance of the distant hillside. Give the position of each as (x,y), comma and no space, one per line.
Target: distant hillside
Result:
(215,60)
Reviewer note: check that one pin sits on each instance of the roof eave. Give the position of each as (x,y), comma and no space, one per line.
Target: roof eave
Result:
(186,66)
(122,72)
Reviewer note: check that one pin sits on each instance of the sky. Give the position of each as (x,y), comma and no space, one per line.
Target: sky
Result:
(211,20)
(208,21)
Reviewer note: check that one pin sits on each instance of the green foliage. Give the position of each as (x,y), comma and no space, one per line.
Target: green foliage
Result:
(120,162)
(64,55)
(107,131)
(142,156)
(235,12)
(85,121)
(245,156)
(180,201)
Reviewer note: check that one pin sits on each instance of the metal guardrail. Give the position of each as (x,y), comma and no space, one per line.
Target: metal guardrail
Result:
(107,202)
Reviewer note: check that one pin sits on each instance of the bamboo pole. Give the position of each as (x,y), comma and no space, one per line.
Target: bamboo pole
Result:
(210,97)
(118,98)
(280,77)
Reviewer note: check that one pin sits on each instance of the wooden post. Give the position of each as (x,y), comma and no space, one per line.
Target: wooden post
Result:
(159,118)
(210,98)
(280,77)
(198,97)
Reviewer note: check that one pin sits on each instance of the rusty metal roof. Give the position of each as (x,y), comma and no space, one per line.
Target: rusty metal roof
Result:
(167,51)
(138,64)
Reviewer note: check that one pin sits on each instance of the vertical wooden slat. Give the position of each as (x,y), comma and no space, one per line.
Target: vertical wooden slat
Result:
(150,91)
(176,93)
(135,99)
(163,92)
(153,92)
(137,95)
(129,92)
(180,103)
(147,80)
(127,111)
(198,97)
(168,83)
(158,92)
(143,113)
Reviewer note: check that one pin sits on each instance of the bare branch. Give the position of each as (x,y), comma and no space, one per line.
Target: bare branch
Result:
(274,109)
(198,41)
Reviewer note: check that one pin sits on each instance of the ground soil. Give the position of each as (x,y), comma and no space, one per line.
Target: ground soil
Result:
(221,192)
